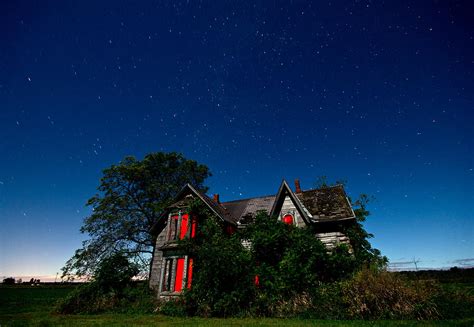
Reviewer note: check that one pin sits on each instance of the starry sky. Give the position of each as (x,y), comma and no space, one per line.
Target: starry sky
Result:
(379,93)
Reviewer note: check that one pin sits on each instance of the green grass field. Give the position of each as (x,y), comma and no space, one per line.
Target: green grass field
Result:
(32,306)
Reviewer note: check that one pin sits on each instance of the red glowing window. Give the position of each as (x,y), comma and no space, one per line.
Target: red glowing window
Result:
(288,219)
(181,226)
(178,284)
(184,226)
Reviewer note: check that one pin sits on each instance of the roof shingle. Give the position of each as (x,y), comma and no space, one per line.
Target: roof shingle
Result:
(324,204)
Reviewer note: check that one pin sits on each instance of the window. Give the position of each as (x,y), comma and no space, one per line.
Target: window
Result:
(167,275)
(180,227)
(287,219)
(178,282)
(176,274)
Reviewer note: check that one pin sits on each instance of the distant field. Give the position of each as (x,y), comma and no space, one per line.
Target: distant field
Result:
(31,306)
(30,299)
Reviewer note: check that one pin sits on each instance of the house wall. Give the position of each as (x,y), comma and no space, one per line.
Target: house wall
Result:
(156,265)
(332,239)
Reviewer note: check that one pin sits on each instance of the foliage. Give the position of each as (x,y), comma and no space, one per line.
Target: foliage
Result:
(223,271)
(110,290)
(115,273)
(287,262)
(173,307)
(364,254)
(374,294)
(36,304)
(291,262)
(298,277)
(328,302)
(85,299)
(131,197)
(9,281)
(454,302)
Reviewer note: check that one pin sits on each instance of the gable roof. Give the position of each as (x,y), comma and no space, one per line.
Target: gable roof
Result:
(283,192)
(243,211)
(315,206)
(327,204)
(181,201)
(216,208)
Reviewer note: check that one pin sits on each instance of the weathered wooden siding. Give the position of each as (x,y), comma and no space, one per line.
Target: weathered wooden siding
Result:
(157,260)
(332,239)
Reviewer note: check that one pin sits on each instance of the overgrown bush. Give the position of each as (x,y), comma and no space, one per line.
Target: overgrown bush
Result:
(110,290)
(287,272)
(290,263)
(454,303)
(173,307)
(223,273)
(86,298)
(273,277)
(327,302)
(373,294)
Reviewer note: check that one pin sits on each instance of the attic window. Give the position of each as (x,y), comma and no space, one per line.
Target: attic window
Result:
(287,219)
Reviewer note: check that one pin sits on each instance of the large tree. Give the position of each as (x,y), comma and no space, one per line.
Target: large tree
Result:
(132,195)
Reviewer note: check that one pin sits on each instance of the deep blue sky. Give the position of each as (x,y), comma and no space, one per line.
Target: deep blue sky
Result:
(378,93)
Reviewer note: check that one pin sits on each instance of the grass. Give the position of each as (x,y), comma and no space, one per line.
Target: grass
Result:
(32,306)
(29,299)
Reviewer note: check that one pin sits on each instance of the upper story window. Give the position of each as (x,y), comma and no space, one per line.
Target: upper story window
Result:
(180,226)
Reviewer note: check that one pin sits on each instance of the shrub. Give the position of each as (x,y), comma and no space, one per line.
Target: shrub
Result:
(328,302)
(454,303)
(223,273)
(9,281)
(288,261)
(86,298)
(137,298)
(110,289)
(115,273)
(174,307)
(373,294)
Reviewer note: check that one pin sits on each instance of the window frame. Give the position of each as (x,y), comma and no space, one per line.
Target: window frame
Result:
(170,274)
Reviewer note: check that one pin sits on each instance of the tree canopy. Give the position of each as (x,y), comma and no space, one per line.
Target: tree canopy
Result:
(131,197)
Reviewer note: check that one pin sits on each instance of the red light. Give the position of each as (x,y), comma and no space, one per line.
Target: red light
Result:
(288,219)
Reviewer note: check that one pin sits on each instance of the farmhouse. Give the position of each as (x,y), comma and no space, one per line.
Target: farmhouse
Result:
(327,209)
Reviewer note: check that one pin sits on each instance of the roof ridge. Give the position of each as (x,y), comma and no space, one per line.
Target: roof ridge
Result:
(270,195)
(246,199)
(322,188)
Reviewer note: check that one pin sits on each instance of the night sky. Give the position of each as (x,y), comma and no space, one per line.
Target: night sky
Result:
(380,94)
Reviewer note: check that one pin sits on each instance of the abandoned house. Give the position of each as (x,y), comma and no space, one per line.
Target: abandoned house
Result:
(171,270)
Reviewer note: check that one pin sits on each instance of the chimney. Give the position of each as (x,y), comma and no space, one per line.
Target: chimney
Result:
(297,186)
(216,198)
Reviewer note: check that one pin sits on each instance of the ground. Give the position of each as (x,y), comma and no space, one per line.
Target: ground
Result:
(32,305)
